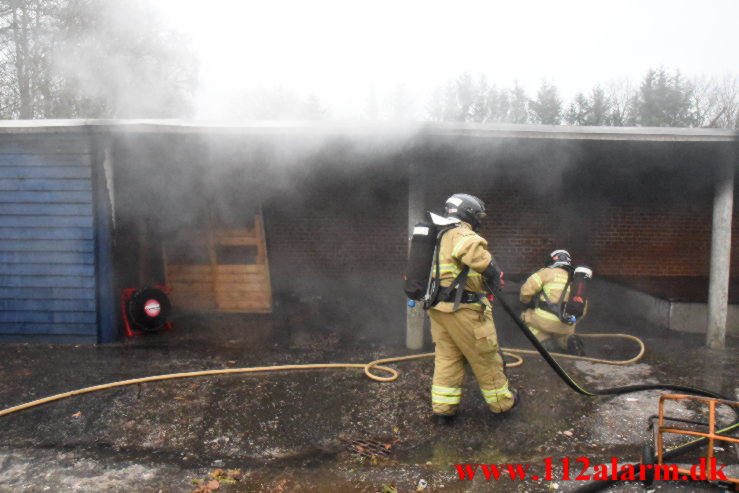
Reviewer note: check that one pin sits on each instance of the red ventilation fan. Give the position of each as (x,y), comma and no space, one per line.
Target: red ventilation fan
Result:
(145,310)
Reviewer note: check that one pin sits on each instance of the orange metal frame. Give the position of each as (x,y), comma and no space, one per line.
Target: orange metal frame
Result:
(710,435)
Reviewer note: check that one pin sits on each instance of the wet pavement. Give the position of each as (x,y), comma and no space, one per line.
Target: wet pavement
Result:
(324,430)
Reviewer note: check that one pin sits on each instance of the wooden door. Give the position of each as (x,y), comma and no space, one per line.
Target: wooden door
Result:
(220,269)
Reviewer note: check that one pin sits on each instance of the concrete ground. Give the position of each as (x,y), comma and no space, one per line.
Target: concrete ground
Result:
(306,431)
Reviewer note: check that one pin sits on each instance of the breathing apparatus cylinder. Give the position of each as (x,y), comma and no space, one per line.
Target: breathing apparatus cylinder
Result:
(420,259)
(578,298)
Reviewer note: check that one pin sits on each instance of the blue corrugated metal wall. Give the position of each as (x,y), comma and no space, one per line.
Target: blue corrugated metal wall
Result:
(47,241)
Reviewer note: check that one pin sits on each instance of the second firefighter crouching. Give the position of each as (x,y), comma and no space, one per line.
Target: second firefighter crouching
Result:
(462,324)
(542,292)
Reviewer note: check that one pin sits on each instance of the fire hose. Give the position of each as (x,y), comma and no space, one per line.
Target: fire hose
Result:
(367,367)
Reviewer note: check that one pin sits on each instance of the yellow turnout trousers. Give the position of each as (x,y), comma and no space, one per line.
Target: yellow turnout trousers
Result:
(548,326)
(467,334)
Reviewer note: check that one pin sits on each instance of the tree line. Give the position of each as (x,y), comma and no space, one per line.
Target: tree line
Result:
(663,98)
(117,59)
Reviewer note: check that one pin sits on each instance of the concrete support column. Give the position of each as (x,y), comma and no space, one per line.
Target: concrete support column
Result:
(416,202)
(718,287)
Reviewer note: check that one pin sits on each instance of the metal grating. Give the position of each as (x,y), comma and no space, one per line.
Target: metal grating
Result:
(369,448)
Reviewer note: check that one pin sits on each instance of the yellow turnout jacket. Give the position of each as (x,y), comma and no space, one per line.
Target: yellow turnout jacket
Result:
(461,246)
(552,281)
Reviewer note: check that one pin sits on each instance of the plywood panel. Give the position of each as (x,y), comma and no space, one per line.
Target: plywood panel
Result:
(225,287)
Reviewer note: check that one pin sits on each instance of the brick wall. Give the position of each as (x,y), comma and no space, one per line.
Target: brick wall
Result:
(618,240)
(634,212)
(339,244)
(615,240)
(338,247)
(649,227)
(337,229)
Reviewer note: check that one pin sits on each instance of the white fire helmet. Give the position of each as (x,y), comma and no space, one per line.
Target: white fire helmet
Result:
(558,258)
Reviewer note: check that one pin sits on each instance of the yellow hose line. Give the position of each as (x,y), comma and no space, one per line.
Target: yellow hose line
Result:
(513,353)
(368,367)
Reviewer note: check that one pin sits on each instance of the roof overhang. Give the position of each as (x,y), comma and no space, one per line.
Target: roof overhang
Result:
(391,130)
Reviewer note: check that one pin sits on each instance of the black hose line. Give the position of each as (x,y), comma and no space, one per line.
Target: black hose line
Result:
(599,485)
(611,391)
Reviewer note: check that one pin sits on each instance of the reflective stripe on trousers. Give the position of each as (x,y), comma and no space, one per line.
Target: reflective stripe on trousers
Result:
(493,396)
(446,395)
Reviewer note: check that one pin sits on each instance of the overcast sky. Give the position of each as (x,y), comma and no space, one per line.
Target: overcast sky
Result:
(340,51)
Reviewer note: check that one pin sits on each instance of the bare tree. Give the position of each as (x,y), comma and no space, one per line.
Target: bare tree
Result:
(729,102)
(90,58)
(623,96)
(723,95)
(705,100)
(25,47)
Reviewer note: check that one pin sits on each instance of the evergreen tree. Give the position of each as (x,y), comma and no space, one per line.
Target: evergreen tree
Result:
(577,113)
(499,105)
(665,100)
(547,107)
(600,108)
(518,107)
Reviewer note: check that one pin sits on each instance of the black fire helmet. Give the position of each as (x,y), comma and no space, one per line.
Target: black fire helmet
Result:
(465,207)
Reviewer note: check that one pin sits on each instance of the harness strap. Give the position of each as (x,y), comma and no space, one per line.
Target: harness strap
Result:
(458,281)
(467,296)
(548,306)
(432,290)
(458,284)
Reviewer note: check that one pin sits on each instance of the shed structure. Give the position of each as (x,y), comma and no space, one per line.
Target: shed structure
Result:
(88,208)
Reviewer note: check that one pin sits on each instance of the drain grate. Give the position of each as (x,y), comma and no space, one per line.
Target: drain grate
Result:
(369,448)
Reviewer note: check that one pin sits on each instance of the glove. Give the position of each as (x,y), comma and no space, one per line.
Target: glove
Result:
(493,277)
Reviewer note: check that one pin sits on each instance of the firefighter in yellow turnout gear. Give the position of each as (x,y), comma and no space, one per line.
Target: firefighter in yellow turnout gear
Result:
(461,320)
(542,291)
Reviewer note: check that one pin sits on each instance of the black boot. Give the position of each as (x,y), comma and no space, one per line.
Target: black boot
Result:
(516,398)
(574,346)
(443,419)
(551,345)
